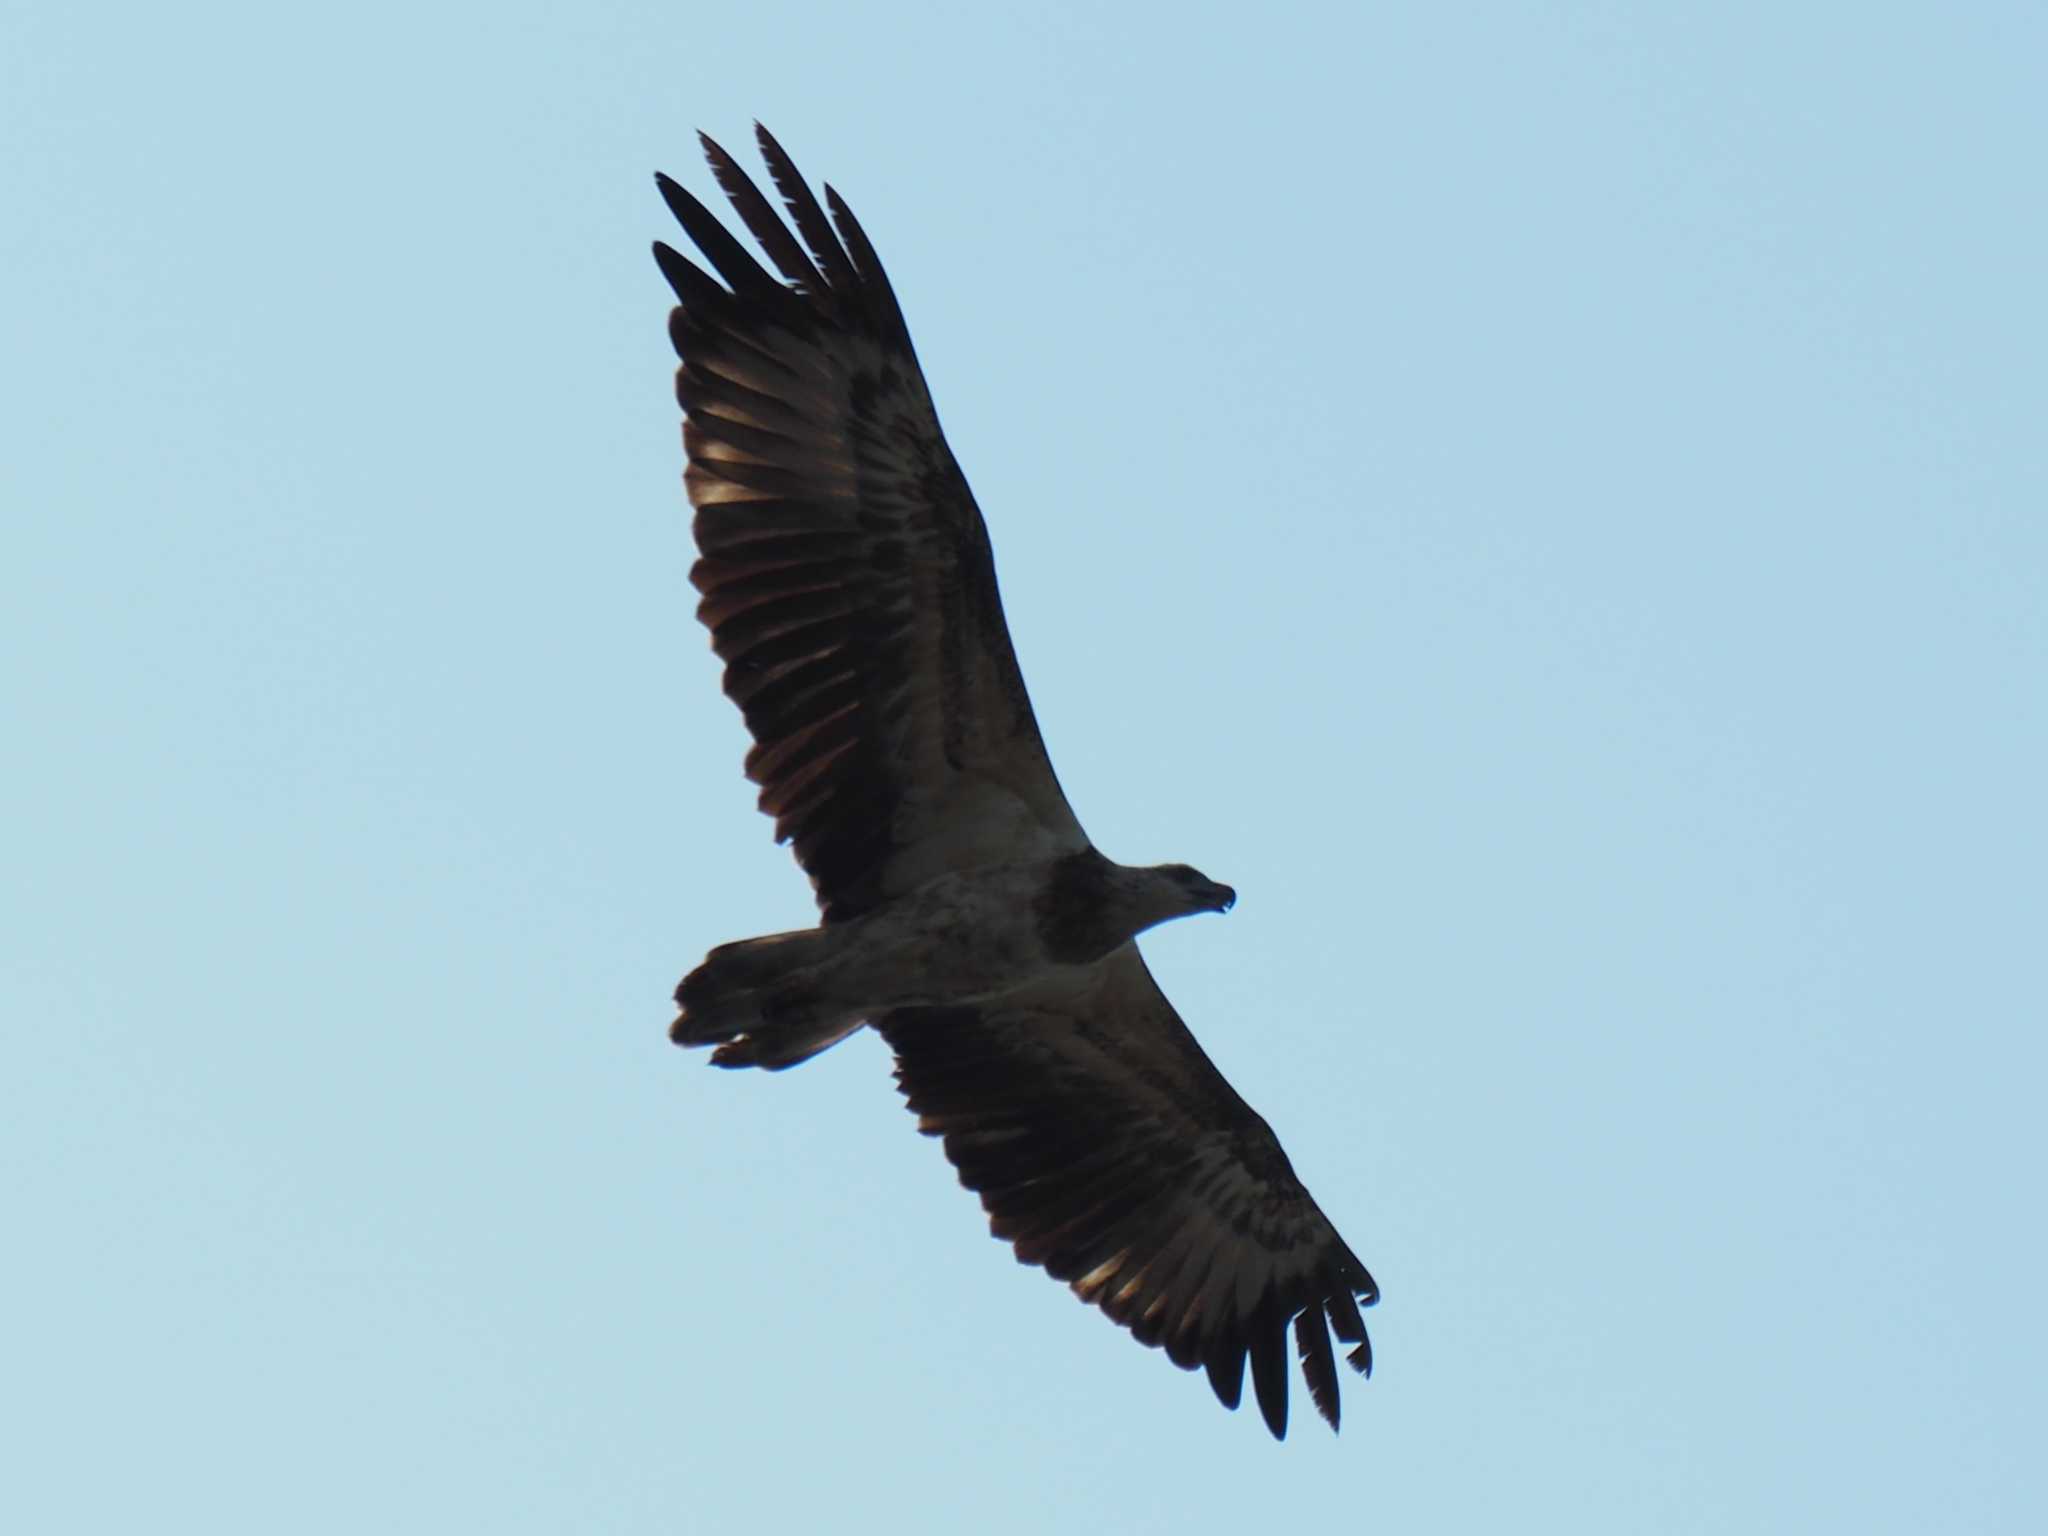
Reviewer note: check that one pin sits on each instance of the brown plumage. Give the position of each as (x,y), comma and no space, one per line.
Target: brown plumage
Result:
(849,587)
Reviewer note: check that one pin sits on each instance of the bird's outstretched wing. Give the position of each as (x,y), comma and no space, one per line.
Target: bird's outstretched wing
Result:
(846,576)
(1108,1149)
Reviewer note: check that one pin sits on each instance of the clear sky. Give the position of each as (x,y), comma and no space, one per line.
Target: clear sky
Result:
(1547,500)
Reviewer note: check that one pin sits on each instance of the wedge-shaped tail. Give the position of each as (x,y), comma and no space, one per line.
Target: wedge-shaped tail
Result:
(756,1001)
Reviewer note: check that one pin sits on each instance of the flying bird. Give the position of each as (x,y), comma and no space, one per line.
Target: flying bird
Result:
(849,588)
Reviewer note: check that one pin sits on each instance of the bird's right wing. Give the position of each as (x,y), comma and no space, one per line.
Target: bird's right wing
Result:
(1108,1149)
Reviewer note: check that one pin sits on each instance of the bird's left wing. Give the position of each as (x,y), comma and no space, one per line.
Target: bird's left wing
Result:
(846,575)
(1109,1150)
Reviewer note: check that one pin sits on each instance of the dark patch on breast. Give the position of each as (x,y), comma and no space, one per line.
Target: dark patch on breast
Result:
(1073,911)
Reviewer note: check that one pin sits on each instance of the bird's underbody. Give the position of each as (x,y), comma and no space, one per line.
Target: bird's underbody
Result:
(850,590)
(976,936)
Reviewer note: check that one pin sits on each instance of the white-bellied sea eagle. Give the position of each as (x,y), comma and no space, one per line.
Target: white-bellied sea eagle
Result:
(849,589)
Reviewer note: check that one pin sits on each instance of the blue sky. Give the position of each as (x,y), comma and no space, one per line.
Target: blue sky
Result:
(1548,501)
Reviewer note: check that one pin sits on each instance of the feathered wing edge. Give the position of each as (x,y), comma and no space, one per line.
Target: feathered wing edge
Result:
(1119,1160)
(835,266)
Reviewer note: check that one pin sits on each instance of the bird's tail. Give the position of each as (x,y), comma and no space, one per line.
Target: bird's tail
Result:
(759,1003)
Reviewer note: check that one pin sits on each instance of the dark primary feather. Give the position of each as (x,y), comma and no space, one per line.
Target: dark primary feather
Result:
(846,574)
(1108,1149)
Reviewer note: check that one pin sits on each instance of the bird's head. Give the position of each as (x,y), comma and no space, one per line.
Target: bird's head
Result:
(1132,898)
(1197,892)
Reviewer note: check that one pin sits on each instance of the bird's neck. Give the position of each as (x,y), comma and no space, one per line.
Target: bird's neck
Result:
(1091,905)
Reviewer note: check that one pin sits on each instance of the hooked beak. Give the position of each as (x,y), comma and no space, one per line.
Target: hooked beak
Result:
(1226,898)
